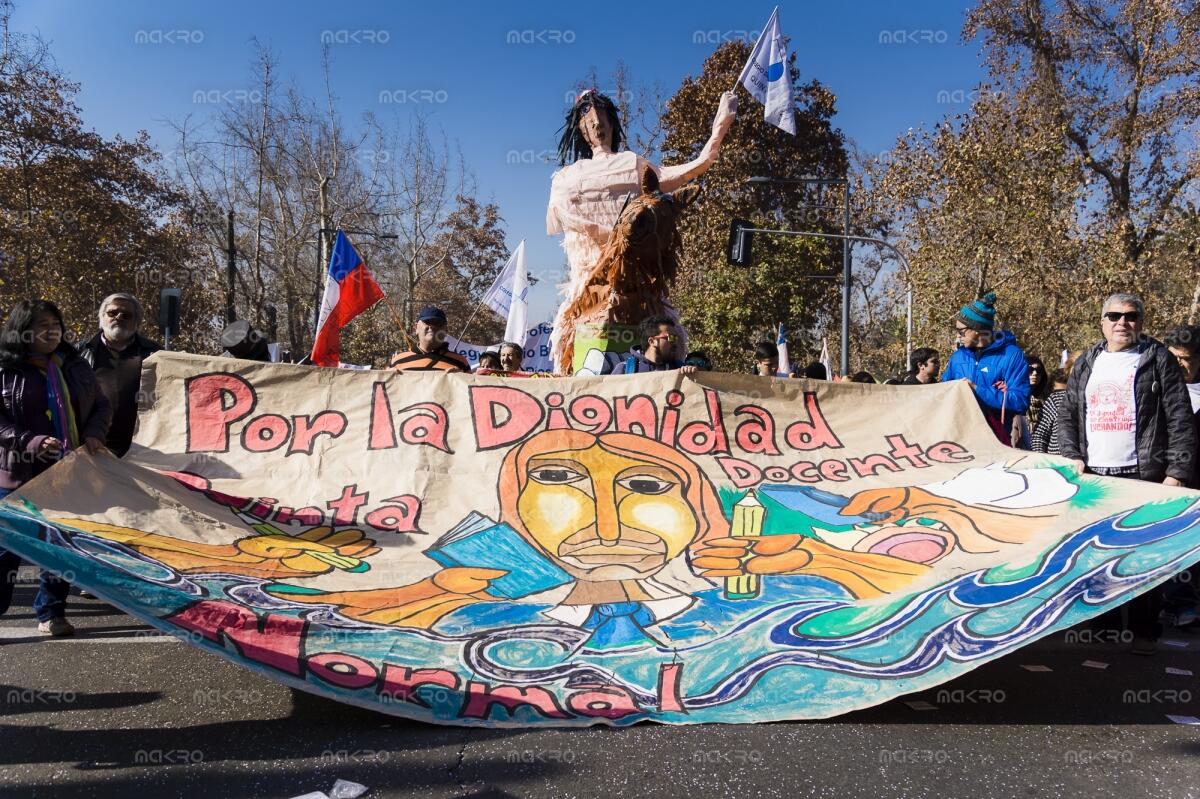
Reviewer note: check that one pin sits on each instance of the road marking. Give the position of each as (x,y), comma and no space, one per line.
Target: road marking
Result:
(15,634)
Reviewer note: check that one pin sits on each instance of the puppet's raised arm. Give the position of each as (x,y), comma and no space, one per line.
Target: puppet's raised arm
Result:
(672,177)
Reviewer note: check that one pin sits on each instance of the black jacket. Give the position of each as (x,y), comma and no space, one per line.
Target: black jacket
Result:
(120,378)
(24,422)
(1166,438)
(144,347)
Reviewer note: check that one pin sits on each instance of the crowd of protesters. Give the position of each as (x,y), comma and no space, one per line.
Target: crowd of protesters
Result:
(1127,407)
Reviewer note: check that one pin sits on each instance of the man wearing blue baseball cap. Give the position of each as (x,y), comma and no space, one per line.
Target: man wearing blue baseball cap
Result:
(431,353)
(992,363)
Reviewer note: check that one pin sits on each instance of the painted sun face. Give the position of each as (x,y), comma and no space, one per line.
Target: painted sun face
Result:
(604,516)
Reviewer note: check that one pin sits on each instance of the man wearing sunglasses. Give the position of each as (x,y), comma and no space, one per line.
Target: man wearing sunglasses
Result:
(993,364)
(661,349)
(116,353)
(1127,414)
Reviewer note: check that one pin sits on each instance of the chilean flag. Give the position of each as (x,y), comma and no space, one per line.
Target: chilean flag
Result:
(349,290)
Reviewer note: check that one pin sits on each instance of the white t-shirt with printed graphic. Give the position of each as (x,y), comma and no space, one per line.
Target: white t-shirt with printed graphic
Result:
(1112,410)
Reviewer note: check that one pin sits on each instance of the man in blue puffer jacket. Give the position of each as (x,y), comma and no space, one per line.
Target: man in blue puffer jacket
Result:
(993,363)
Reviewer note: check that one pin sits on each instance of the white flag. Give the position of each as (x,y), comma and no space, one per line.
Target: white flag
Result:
(518,305)
(766,76)
(785,363)
(499,296)
(826,361)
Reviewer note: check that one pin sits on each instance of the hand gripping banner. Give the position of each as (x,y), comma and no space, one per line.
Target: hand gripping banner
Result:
(505,552)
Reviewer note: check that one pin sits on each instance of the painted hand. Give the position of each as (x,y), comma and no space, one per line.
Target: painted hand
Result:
(975,529)
(770,554)
(418,605)
(314,551)
(863,574)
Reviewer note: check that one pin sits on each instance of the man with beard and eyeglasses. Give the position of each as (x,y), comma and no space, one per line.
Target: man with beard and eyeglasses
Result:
(116,353)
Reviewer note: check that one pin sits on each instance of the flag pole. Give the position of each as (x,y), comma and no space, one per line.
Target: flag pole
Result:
(470,319)
(483,299)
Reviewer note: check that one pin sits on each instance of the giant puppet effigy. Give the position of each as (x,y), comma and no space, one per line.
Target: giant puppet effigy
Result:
(477,550)
(617,213)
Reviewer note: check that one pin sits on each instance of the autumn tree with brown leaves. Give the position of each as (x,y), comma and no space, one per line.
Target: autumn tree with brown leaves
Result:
(84,216)
(1070,177)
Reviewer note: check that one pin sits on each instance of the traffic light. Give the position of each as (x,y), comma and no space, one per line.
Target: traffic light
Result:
(738,251)
(168,312)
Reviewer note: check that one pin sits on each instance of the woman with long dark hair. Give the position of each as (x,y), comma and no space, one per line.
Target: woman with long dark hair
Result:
(50,404)
(1023,425)
(1039,389)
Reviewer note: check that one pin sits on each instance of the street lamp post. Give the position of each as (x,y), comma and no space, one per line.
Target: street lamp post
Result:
(846,239)
(230,271)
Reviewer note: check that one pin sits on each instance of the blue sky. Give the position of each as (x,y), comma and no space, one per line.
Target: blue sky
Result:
(892,66)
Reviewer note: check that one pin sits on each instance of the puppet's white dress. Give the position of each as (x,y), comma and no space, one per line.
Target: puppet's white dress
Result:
(586,198)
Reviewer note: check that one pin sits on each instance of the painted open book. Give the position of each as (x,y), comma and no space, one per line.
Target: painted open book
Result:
(482,543)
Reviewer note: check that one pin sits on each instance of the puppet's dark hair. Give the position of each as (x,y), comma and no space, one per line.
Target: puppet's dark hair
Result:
(572,145)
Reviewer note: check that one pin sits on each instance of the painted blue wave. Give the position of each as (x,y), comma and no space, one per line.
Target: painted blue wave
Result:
(951,640)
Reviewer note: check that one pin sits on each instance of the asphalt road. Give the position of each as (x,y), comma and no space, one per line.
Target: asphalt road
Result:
(121,710)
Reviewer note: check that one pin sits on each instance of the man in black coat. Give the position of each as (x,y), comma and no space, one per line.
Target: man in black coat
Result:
(116,353)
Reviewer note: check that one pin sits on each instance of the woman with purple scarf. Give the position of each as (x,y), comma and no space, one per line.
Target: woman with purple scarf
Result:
(50,404)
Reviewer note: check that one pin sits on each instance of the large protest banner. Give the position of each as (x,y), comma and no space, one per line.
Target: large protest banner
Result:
(476,550)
